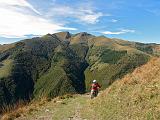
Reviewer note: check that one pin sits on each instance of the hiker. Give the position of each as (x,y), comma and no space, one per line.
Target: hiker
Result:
(94,89)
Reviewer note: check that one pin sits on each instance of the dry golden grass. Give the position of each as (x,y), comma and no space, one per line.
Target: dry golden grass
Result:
(78,39)
(157,49)
(99,41)
(63,35)
(13,111)
(115,44)
(145,74)
(6,69)
(22,108)
(6,47)
(136,96)
(129,49)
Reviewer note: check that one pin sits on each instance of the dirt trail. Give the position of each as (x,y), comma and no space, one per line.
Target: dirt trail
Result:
(77,115)
(67,109)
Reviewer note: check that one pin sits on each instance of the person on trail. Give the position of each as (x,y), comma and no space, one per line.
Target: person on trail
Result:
(94,88)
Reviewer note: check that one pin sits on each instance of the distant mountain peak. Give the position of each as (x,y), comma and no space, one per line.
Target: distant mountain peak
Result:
(48,64)
(63,35)
(83,34)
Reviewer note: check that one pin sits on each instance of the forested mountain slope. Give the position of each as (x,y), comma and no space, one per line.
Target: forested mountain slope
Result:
(60,63)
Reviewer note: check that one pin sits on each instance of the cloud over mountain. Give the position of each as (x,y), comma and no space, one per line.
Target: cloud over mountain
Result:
(123,31)
(80,13)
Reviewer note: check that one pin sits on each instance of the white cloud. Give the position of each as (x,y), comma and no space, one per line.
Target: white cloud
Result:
(123,31)
(22,3)
(114,20)
(14,24)
(90,18)
(83,14)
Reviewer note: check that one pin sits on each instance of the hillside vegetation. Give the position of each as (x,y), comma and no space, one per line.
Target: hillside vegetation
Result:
(135,97)
(5,47)
(61,63)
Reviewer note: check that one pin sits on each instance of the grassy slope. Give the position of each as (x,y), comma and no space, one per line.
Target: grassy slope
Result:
(109,60)
(61,108)
(35,69)
(5,69)
(6,47)
(136,96)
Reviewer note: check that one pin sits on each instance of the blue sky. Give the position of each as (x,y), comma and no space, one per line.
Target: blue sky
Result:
(134,20)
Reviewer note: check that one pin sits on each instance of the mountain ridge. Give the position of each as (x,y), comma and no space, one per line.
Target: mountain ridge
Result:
(61,63)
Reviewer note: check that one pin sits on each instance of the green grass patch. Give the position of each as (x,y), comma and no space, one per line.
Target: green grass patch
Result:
(6,68)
